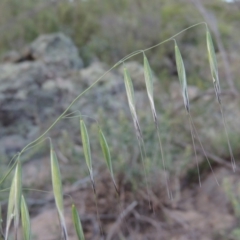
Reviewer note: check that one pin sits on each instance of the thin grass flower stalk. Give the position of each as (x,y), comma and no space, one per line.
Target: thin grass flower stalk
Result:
(214,72)
(149,86)
(77,223)
(57,190)
(107,156)
(26,225)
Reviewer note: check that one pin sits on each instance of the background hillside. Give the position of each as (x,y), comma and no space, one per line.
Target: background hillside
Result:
(51,51)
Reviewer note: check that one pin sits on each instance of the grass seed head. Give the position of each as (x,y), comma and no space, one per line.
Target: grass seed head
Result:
(77,223)
(86,146)
(182,76)
(14,201)
(107,155)
(10,209)
(26,226)
(213,64)
(149,86)
(131,102)
(57,190)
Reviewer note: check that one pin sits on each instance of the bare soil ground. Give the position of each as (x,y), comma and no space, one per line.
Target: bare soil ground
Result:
(194,213)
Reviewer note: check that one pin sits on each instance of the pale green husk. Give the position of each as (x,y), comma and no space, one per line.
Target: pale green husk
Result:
(182,76)
(26,226)
(86,146)
(149,86)
(57,190)
(131,101)
(77,223)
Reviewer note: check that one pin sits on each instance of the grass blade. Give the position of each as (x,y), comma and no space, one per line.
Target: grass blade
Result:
(107,156)
(77,223)
(182,76)
(57,190)
(131,102)
(25,220)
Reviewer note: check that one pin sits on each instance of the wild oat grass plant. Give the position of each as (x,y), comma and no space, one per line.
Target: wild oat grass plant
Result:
(17,207)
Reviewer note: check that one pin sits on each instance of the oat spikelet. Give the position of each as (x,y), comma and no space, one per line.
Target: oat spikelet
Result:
(131,102)
(77,223)
(57,190)
(26,226)
(213,65)
(182,76)
(14,201)
(149,85)
(107,156)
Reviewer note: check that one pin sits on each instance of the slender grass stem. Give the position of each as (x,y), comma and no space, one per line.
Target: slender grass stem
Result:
(163,163)
(143,157)
(228,141)
(97,211)
(204,152)
(194,147)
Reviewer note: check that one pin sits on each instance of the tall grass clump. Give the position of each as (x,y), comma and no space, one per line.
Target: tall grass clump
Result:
(16,203)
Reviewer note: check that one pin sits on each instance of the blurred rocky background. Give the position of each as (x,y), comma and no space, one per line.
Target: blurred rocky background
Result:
(51,51)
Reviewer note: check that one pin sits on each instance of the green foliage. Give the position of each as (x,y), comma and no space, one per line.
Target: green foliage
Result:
(111,29)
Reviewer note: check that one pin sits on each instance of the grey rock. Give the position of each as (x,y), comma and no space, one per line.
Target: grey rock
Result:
(90,74)
(12,144)
(11,57)
(56,49)
(23,75)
